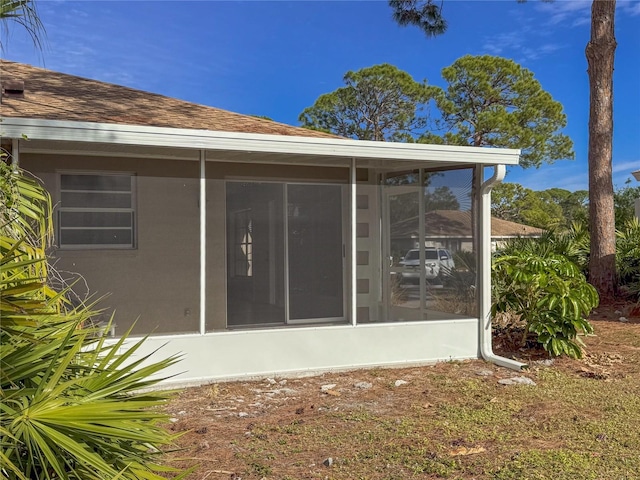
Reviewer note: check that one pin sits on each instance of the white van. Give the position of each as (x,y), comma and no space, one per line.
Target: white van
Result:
(437,262)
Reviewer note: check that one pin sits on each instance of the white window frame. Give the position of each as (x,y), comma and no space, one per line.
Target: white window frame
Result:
(97,246)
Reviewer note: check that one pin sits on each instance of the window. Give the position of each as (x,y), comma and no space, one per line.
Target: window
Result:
(96,211)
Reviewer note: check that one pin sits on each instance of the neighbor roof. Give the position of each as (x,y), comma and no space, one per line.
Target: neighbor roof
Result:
(58,96)
(457,224)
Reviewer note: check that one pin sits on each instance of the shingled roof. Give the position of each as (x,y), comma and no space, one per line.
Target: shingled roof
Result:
(58,96)
(457,223)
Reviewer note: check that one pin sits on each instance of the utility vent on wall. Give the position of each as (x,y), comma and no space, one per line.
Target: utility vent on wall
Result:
(12,88)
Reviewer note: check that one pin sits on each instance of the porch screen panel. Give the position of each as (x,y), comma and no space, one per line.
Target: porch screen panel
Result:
(162,282)
(315,247)
(284,250)
(450,210)
(403,281)
(255,254)
(129,228)
(428,258)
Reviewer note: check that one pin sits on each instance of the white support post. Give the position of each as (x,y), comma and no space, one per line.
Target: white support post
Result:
(203,243)
(15,154)
(484,251)
(354,246)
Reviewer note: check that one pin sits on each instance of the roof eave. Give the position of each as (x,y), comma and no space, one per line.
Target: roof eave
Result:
(42,129)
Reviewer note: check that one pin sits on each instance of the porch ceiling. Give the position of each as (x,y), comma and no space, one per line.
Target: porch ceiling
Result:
(80,138)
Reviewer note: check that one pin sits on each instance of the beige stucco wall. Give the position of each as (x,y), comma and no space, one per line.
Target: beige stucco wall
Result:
(158,281)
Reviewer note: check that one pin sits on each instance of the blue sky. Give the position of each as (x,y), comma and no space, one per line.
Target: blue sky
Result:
(275,58)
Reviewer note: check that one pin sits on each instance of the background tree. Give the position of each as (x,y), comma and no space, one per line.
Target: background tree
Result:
(513,202)
(574,205)
(426,15)
(600,54)
(441,198)
(624,205)
(377,103)
(493,101)
(554,208)
(507,200)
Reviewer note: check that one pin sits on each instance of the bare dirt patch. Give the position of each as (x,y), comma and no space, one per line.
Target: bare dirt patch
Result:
(450,420)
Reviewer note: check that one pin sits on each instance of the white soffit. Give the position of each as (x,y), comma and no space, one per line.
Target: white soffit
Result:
(369,153)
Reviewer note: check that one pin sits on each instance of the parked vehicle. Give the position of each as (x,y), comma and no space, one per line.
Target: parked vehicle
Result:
(437,263)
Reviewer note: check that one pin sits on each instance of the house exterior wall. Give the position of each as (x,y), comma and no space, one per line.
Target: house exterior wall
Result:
(156,284)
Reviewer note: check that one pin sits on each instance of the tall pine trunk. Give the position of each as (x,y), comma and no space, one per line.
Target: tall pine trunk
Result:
(600,54)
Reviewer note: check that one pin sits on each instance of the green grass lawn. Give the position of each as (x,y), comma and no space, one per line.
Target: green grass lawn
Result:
(581,421)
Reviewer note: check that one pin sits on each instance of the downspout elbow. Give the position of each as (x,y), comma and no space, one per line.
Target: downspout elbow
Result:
(499,173)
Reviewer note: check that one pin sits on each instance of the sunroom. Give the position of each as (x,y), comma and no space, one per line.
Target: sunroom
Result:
(254,254)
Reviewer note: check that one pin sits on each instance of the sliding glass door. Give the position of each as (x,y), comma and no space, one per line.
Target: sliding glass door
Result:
(285,253)
(255,254)
(315,252)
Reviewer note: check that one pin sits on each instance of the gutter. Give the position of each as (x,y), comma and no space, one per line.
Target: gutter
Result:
(486,349)
(120,134)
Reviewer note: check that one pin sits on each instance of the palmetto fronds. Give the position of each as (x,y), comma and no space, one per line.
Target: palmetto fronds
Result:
(72,404)
(24,13)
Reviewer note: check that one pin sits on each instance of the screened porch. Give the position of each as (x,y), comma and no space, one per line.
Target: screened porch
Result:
(298,253)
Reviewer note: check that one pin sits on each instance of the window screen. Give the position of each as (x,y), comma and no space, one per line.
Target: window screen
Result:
(96,211)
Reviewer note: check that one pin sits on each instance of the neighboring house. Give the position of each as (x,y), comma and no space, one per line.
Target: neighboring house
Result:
(251,247)
(451,229)
(636,174)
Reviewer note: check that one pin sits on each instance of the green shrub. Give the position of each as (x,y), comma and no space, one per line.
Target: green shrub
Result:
(72,406)
(549,294)
(572,243)
(628,255)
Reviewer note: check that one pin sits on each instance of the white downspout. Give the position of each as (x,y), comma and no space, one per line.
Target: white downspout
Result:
(485,270)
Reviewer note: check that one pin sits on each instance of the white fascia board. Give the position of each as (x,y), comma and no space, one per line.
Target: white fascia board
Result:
(39,129)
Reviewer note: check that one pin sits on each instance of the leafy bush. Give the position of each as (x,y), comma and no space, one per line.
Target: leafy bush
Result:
(549,293)
(72,406)
(572,243)
(628,255)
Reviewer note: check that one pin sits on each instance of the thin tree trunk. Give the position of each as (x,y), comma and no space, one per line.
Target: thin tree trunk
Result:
(600,54)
